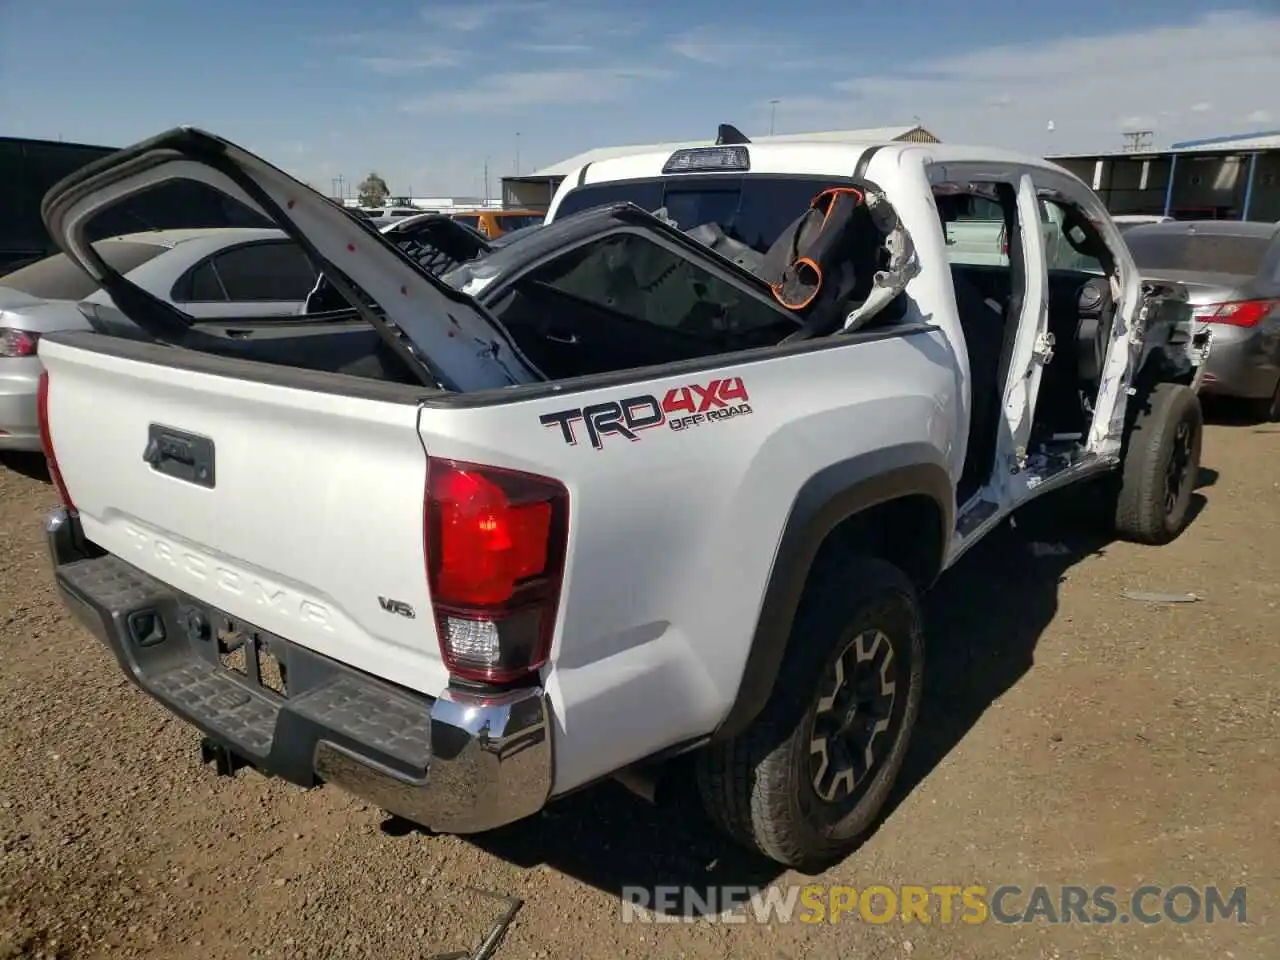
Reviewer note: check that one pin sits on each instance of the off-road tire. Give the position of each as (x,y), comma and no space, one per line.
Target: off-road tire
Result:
(755,786)
(1143,511)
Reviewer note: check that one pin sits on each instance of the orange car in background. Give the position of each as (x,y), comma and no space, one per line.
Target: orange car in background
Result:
(494,223)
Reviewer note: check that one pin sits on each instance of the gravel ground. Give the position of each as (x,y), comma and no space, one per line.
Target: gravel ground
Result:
(1070,735)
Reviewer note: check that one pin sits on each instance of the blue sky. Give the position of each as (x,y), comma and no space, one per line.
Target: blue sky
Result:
(425,92)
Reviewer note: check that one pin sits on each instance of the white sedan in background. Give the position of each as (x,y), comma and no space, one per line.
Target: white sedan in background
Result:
(209,274)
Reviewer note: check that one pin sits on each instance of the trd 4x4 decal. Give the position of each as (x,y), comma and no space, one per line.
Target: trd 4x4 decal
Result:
(680,408)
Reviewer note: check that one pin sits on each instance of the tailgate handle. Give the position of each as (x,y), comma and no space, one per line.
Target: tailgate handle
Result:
(183,456)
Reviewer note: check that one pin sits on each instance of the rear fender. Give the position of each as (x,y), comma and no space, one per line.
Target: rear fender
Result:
(834,495)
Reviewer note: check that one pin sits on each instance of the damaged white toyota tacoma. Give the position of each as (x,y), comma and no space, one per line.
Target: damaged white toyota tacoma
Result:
(665,477)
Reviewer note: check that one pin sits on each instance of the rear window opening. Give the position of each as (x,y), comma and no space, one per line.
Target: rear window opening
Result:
(752,210)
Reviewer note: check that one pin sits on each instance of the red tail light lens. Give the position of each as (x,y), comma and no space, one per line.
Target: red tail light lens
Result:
(46,440)
(1240,313)
(18,343)
(495,547)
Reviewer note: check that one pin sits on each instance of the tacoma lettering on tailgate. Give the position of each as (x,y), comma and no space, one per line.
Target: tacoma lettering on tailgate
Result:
(227,580)
(679,409)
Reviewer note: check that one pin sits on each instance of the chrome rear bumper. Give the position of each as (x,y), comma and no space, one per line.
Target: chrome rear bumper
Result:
(463,762)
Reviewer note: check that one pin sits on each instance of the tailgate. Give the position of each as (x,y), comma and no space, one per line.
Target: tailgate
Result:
(296,510)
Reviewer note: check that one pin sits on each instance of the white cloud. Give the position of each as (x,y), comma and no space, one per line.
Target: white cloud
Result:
(554,48)
(505,92)
(717,47)
(581,24)
(556,22)
(1138,122)
(469,17)
(721,46)
(416,63)
(1202,107)
(1093,88)
(1260,116)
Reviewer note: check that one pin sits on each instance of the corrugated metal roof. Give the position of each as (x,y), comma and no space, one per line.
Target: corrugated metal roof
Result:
(1226,145)
(911,133)
(1262,140)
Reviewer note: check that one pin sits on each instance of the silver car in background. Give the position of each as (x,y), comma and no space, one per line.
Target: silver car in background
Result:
(209,274)
(1231,270)
(1127,221)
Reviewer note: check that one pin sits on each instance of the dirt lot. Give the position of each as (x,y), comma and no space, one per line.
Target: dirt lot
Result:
(1070,736)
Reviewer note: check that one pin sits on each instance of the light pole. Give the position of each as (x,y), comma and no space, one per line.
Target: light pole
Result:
(517,153)
(773,114)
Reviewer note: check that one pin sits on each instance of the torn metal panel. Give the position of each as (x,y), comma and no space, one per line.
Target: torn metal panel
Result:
(903,266)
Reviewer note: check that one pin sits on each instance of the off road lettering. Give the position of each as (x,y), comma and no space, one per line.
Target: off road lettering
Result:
(680,408)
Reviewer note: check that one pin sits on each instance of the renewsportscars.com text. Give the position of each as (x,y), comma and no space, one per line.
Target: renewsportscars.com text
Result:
(938,904)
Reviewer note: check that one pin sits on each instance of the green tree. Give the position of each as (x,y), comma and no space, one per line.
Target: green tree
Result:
(373,191)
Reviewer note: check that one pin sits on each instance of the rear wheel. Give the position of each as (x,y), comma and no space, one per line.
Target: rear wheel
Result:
(1161,465)
(807,779)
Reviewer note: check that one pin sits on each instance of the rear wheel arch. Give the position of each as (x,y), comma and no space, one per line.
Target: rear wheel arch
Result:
(896,504)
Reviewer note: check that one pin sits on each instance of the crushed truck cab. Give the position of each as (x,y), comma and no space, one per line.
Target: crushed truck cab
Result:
(664,476)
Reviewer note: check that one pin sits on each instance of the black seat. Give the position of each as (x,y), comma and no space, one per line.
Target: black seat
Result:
(983,325)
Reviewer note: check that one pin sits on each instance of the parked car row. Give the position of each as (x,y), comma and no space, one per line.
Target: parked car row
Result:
(1231,271)
(488,223)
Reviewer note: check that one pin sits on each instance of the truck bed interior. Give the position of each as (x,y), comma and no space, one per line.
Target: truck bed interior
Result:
(337,341)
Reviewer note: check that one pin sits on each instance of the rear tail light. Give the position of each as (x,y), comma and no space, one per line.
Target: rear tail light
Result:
(46,440)
(495,547)
(18,343)
(1239,313)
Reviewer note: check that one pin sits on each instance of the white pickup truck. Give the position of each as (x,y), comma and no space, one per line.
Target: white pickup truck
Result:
(640,484)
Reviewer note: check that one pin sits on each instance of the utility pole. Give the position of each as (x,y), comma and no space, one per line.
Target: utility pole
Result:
(341,194)
(486,181)
(517,153)
(1135,141)
(773,114)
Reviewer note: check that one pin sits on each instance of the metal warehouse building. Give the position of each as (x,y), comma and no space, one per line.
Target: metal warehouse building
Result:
(534,191)
(1221,178)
